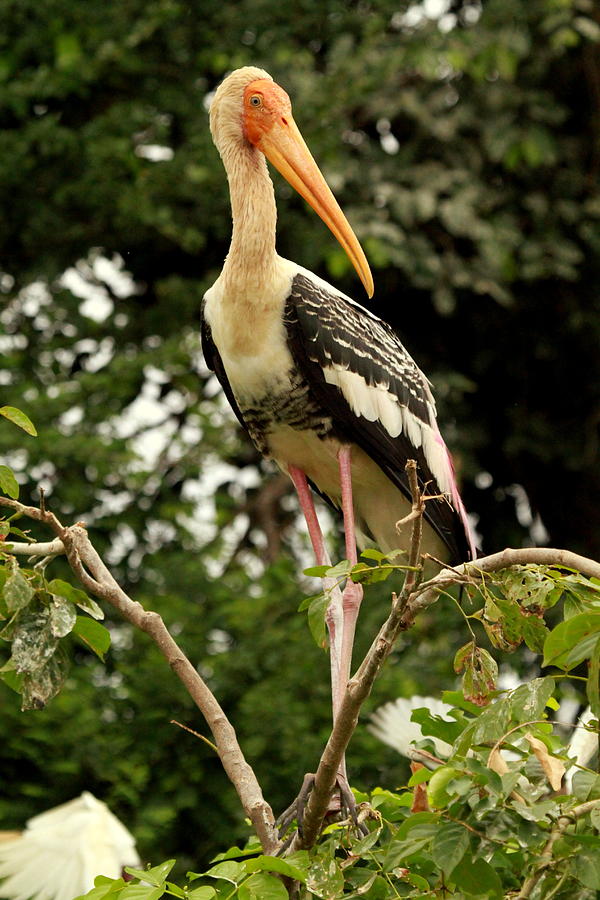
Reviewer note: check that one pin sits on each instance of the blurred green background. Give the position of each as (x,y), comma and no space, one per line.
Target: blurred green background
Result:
(463,141)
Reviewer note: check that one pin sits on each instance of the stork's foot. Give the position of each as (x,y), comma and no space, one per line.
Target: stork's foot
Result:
(342,805)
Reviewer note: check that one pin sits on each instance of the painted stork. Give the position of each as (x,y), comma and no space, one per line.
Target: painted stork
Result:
(322,385)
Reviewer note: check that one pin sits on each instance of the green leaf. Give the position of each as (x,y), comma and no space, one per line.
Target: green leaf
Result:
(462,656)
(583,649)
(363,845)
(566,635)
(276,864)
(400,850)
(262,886)
(420,776)
(155,875)
(480,672)
(18,418)
(476,878)
(449,845)
(228,871)
(137,891)
(457,699)
(40,686)
(316,619)
(340,570)
(232,853)
(12,679)
(362,573)
(434,726)
(372,553)
(202,893)
(8,483)
(33,642)
(586,868)
(103,888)
(63,616)
(93,634)
(593,682)
(317,571)
(586,786)
(76,596)
(17,589)
(528,701)
(325,878)
(492,723)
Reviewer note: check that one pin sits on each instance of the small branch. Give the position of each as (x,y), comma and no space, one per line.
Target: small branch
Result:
(196,734)
(418,508)
(96,578)
(539,556)
(545,859)
(49,548)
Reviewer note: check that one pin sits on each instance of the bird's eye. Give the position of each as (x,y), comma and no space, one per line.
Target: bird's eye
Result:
(255,100)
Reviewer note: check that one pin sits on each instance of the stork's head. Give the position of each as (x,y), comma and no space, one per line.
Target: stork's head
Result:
(251,113)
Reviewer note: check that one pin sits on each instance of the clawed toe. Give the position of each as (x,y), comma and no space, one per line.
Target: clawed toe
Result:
(342,805)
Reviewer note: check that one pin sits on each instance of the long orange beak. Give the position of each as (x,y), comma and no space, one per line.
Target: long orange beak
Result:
(285,148)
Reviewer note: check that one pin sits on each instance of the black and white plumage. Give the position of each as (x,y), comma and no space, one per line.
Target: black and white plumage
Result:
(347,379)
(323,387)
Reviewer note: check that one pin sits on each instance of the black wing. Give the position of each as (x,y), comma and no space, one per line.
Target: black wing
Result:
(325,329)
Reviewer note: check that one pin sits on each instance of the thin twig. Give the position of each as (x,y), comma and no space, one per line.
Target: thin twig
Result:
(545,858)
(197,734)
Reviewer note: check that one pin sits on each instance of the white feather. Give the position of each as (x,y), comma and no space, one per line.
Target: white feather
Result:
(392,724)
(62,850)
(582,746)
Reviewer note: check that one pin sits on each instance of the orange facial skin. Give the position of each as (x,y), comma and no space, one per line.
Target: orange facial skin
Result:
(269,126)
(265,103)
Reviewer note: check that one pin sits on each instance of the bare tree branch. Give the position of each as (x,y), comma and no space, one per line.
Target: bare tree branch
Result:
(47,548)
(96,578)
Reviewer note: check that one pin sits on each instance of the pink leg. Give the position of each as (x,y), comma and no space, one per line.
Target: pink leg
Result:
(335,616)
(343,608)
(353,593)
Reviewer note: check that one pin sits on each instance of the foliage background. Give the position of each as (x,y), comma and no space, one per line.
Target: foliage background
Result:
(463,143)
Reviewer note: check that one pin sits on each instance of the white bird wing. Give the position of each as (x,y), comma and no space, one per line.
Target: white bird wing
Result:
(582,746)
(392,724)
(63,850)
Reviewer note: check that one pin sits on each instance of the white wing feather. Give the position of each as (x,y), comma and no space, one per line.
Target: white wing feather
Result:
(391,723)
(62,850)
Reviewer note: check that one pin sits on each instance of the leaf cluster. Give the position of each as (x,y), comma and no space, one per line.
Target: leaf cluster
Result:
(39,616)
(481,835)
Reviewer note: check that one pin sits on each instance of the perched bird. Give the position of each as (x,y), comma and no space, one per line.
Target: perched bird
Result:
(62,850)
(322,385)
